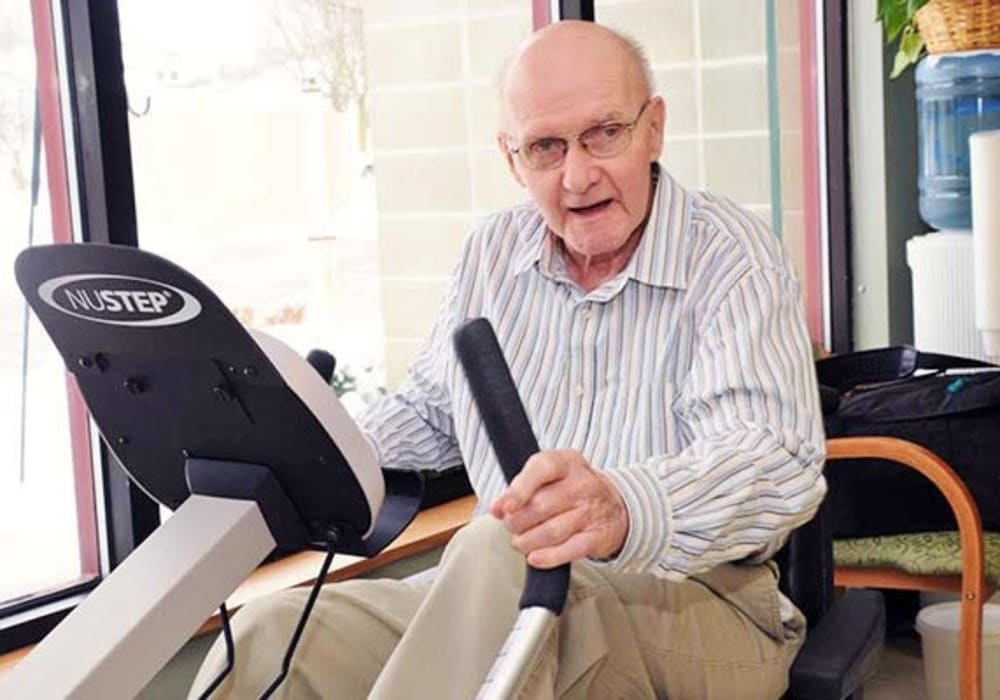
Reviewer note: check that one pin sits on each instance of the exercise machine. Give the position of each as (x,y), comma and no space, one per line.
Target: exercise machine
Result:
(248,446)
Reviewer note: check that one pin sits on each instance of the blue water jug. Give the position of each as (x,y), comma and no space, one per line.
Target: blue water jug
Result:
(957,94)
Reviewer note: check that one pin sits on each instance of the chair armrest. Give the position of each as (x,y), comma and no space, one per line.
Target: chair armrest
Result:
(842,650)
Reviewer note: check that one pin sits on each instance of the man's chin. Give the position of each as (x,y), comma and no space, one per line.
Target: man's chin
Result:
(594,241)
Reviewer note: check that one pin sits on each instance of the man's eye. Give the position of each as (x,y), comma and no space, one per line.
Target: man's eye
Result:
(547,145)
(607,132)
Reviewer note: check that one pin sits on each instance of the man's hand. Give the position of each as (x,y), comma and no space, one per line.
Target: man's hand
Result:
(560,509)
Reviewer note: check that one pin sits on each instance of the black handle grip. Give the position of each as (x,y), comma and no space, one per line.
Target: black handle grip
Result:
(323,362)
(510,433)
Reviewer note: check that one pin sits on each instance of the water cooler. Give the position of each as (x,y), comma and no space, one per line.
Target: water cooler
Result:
(958,95)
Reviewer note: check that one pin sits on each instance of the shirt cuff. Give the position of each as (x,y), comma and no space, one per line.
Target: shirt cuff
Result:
(650,519)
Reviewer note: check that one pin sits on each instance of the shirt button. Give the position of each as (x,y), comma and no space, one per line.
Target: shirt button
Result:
(579,389)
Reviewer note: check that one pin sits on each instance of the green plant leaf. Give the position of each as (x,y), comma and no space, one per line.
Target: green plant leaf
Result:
(910,46)
(898,65)
(894,15)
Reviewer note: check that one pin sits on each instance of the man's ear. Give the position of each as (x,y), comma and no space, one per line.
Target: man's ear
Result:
(502,143)
(657,126)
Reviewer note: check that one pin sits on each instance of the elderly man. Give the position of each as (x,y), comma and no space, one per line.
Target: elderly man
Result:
(657,340)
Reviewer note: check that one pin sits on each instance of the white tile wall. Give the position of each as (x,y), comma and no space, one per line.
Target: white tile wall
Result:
(679,87)
(735,97)
(484,114)
(732,28)
(412,245)
(432,72)
(662,27)
(739,167)
(400,54)
(432,117)
(495,186)
(682,159)
(411,304)
(431,181)
(394,11)
(492,39)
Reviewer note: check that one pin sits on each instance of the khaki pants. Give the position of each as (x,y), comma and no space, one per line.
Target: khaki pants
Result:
(620,636)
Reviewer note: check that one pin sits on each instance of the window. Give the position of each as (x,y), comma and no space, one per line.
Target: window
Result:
(47,515)
(317,163)
(252,164)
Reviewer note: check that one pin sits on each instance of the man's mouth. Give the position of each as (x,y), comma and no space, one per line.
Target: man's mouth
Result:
(591,209)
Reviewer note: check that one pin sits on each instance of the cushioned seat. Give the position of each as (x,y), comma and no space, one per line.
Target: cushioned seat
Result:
(919,554)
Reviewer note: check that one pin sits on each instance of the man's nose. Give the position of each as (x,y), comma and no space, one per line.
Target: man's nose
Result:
(580,170)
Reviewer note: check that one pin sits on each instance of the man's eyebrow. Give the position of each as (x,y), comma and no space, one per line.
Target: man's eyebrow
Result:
(610,117)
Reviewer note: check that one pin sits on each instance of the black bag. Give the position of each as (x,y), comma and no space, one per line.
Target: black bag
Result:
(956,415)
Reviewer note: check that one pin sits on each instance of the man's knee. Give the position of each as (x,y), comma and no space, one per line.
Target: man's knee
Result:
(269,618)
(485,533)
(343,645)
(480,555)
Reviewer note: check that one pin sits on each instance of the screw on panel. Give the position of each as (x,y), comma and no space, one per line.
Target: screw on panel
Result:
(249,371)
(222,393)
(134,386)
(94,363)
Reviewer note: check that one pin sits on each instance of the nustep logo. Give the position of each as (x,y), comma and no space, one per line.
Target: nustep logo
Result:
(119,300)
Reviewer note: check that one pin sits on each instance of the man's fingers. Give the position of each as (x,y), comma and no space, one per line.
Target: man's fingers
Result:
(540,469)
(576,547)
(549,532)
(549,501)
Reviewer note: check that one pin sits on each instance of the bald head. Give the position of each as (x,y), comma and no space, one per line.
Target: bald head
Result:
(568,45)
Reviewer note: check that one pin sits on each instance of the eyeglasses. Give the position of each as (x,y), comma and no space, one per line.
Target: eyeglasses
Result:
(601,141)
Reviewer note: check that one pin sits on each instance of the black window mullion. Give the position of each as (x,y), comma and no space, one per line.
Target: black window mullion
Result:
(100,117)
(838,188)
(99,109)
(576,9)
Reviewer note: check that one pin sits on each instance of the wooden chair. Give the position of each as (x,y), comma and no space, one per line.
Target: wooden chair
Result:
(968,570)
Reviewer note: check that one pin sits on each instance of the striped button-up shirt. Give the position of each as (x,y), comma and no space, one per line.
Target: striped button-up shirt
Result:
(687,378)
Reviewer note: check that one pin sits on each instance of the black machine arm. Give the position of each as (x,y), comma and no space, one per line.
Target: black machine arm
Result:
(510,433)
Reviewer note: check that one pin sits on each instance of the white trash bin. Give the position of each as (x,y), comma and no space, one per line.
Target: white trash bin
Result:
(938,627)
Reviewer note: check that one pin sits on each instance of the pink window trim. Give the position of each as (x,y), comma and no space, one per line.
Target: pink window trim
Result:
(62,231)
(810,171)
(541,14)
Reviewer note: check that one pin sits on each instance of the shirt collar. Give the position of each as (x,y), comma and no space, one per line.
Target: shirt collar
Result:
(534,238)
(659,258)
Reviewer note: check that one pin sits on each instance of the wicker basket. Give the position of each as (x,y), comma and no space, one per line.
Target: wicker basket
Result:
(959,25)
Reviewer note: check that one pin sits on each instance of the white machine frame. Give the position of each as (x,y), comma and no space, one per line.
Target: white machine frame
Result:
(131,625)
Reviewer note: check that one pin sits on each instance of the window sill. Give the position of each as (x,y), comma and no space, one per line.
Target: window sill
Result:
(431,528)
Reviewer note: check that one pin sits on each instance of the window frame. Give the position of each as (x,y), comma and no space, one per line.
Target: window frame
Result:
(99,108)
(88,161)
